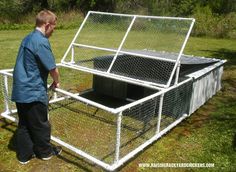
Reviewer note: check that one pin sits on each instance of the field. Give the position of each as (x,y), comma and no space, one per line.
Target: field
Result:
(208,136)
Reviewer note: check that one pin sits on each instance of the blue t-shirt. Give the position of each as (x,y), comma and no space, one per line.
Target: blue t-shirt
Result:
(34,61)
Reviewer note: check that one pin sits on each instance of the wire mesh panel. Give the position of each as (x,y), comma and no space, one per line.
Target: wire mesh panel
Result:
(109,105)
(104,30)
(85,127)
(141,68)
(157,34)
(176,103)
(2,107)
(139,124)
(101,59)
(74,81)
(111,43)
(5,94)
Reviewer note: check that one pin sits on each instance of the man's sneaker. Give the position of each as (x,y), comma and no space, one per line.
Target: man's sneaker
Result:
(56,150)
(23,162)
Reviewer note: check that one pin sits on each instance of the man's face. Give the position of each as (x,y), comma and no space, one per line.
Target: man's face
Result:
(49,28)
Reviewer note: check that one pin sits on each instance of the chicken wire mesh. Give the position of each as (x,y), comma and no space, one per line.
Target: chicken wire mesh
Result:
(147,49)
(106,42)
(81,124)
(5,94)
(139,124)
(103,30)
(176,103)
(85,127)
(74,81)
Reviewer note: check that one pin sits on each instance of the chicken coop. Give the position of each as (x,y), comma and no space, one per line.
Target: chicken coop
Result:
(125,82)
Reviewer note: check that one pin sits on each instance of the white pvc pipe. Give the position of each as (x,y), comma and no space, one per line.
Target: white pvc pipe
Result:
(177,73)
(54,100)
(81,153)
(121,44)
(118,136)
(6,70)
(6,115)
(147,143)
(124,52)
(148,56)
(95,47)
(122,108)
(180,53)
(159,114)
(82,99)
(5,92)
(6,73)
(141,16)
(115,77)
(72,54)
(70,147)
(76,35)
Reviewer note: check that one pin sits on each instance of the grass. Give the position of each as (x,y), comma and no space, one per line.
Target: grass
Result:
(208,136)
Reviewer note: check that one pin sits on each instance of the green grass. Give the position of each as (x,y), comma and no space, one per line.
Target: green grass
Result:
(208,136)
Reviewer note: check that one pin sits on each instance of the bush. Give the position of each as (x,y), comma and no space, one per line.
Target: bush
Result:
(213,25)
(226,27)
(13,10)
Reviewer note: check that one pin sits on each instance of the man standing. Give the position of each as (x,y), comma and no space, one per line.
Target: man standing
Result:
(34,62)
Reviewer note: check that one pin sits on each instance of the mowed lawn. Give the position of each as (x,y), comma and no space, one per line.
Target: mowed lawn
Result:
(208,136)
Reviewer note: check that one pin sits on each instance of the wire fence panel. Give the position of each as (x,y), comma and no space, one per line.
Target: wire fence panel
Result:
(141,68)
(74,81)
(122,44)
(157,34)
(139,124)
(6,91)
(176,103)
(94,59)
(2,105)
(85,127)
(103,30)
(107,108)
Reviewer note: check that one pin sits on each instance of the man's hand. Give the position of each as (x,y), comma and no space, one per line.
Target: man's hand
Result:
(55,76)
(54,85)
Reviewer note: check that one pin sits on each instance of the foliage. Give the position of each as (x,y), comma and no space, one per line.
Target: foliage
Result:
(207,136)
(213,18)
(210,24)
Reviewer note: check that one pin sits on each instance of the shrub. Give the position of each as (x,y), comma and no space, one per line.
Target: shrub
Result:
(209,24)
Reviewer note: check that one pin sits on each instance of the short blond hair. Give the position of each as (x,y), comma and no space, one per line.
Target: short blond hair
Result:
(45,16)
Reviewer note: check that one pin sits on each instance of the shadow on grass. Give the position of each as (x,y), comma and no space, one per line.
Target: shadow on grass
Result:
(224,54)
(8,126)
(75,162)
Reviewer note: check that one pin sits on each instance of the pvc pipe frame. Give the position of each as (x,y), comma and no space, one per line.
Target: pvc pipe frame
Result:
(111,110)
(123,52)
(121,44)
(118,111)
(179,56)
(118,162)
(114,76)
(123,40)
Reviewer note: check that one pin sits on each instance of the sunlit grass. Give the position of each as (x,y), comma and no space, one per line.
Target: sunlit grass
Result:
(206,137)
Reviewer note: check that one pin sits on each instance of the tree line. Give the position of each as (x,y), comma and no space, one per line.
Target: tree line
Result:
(15,8)
(215,17)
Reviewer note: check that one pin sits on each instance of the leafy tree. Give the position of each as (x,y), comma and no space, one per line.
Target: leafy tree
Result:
(13,9)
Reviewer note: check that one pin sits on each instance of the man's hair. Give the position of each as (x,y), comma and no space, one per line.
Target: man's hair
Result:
(45,16)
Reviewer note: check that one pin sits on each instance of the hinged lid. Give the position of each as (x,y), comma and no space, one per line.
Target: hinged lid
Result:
(133,47)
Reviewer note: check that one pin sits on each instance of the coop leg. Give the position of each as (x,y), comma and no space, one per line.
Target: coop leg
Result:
(159,114)
(5,92)
(118,132)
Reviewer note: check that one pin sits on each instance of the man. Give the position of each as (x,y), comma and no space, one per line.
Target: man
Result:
(34,62)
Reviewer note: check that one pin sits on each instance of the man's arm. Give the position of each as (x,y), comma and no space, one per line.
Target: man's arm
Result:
(54,73)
